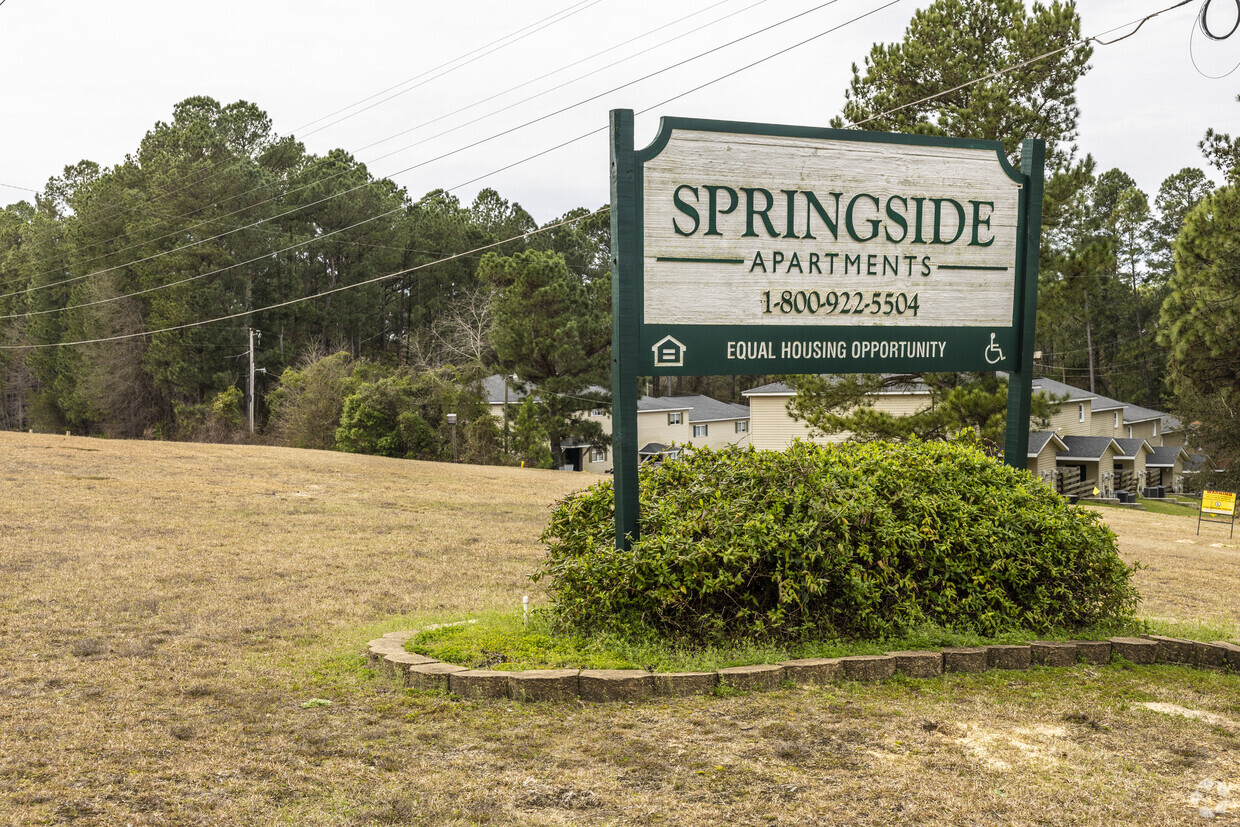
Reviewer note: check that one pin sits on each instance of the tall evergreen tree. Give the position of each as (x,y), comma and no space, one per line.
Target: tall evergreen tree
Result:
(553,330)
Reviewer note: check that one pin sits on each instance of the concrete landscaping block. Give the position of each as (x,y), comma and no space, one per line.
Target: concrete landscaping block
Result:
(1209,656)
(815,671)
(388,655)
(964,659)
(1174,650)
(1231,653)
(476,684)
(431,675)
(868,667)
(1097,652)
(1008,657)
(543,685)
(918,663)
(756,678)
(1135,649)
(604,685)
(680,684)
(1052,653)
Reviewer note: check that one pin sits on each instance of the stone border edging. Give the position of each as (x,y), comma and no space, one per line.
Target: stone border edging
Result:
(610,685)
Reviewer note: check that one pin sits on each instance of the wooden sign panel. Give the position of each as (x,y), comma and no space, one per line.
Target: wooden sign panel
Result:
(771,249)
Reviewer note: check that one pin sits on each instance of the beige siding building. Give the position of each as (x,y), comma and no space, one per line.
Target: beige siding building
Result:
(662,422)
(774,428)
(1043,448)
(1130,464)
(713,424)
(1095,457)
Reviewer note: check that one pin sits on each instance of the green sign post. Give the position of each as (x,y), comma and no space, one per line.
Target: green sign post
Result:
(759,248)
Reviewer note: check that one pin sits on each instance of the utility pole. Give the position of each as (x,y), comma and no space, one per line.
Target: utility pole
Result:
(254,334)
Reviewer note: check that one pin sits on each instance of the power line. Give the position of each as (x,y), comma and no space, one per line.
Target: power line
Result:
(567,12)
(323,161)
(302,299)
(488,139)
(14,186)
(467,183)
(544,152)
(523,32)
(1079,42)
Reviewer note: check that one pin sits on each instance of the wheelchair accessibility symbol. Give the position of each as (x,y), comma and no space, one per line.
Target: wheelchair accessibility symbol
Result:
(993,353)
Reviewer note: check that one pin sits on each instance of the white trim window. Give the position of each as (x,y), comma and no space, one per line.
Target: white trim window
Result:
(699,430)
(1115,419)
(742,426)
(1080,411)
(675,418)
(598,455)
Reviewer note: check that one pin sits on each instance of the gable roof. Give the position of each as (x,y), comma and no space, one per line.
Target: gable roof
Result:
(1106,403)
(1086,448)
(771,389)
(1164,456)
(1050,386)
(1128,447)
(915,387)
(1195,463)
(1039,439)
(707,409)
(493,387)
(1135,413)
(647,404)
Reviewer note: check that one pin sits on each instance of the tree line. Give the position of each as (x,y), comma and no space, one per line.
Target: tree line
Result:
(216,215)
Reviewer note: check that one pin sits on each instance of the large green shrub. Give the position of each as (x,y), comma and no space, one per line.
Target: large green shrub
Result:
(851,540)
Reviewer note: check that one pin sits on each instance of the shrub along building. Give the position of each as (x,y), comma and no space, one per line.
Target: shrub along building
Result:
(665,424)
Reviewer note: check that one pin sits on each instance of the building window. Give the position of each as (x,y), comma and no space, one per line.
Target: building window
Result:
(598,455)
(1115,420)
(1080,412)
(1155,427)
(699,430)
(742,426)
(597,412)
(674,418)
(1130,432)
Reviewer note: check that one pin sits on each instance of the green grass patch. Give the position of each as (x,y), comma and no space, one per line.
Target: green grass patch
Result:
(1171,509)
(503,641)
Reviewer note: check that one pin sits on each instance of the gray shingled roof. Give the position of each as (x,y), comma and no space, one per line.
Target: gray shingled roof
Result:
(1106,403)
(1050,386)
(780,389)
(771,389)
(1088,448)
(493,387)
(706,409)
(1135,413)
(1196,462)
(1128,447)
(662,403)
(1038,440)
(1164,456)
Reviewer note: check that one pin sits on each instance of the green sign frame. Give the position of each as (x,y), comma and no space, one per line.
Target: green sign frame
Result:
(819,324)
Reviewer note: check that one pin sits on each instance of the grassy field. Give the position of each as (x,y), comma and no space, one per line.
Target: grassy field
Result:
(168,612)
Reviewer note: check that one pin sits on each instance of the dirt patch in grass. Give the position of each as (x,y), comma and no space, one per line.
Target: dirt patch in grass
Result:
(163,630)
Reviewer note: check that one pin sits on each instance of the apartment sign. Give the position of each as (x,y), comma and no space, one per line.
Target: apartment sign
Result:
(745,248)
(771,249)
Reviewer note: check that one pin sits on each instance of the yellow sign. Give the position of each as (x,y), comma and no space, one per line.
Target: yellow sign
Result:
(1218,502)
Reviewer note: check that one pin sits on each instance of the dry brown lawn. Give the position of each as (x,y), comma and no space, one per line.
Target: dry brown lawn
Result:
(167,609)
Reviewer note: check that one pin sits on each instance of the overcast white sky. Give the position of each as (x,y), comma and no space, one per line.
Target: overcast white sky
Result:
(86,79)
